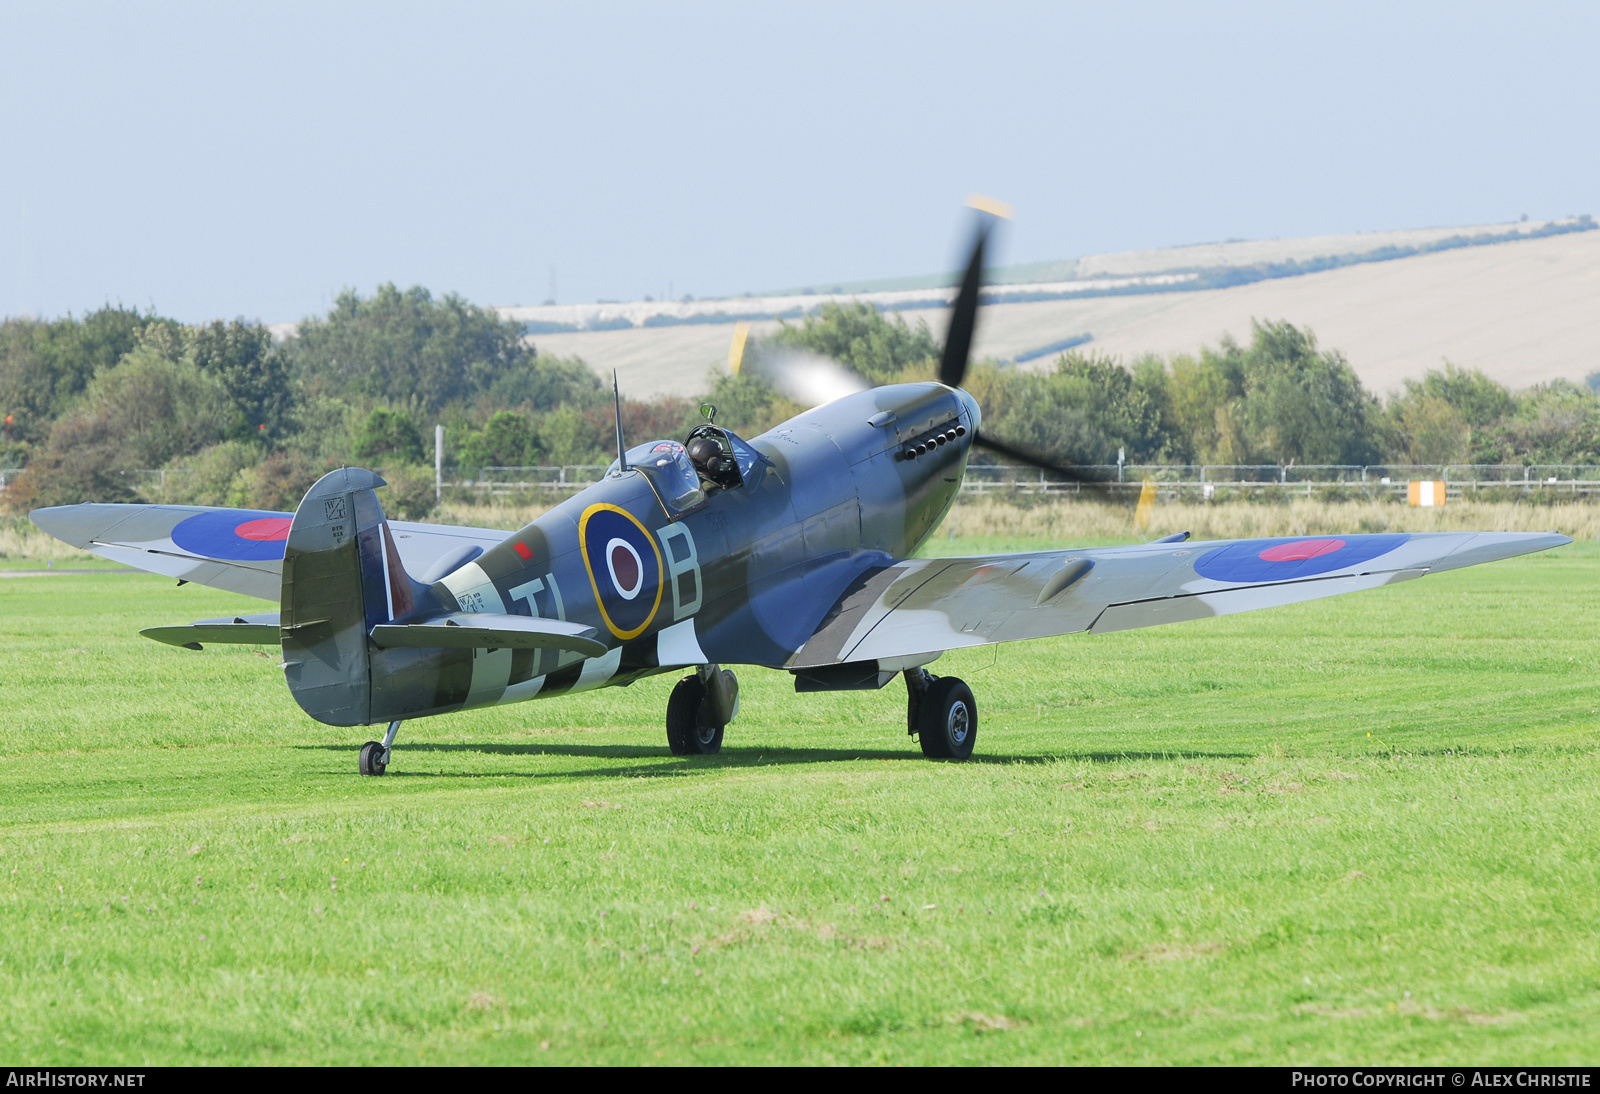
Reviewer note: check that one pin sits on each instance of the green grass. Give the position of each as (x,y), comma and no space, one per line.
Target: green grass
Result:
(1357,830)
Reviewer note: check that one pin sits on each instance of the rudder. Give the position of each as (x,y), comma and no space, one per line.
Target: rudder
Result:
(341,577)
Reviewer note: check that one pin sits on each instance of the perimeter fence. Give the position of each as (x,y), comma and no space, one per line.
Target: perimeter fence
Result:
(1173,482)
(1331,482)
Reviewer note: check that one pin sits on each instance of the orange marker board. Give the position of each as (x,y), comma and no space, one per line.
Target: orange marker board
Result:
(1426,493)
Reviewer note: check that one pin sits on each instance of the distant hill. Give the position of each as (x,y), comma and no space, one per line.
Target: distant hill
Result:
(1232,253)
(1518,301)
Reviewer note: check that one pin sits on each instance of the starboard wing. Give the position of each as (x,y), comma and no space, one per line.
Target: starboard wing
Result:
(240,550)
(925,606)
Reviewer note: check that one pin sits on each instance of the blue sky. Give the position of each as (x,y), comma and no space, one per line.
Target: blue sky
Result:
(219,160)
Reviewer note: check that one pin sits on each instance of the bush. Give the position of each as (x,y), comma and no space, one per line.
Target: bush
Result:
(544,383)
(396,346)
(139,415)
(1301,405)
(277,483)
(1558,422)
(410,492)
(44,366)
(206,478)
(1082,412)
(83,462)
(861,338)
(506,440)
(254,374)
(388,434)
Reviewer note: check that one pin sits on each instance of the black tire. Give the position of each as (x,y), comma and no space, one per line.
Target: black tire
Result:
(371,759)
(686,736)
(948,720)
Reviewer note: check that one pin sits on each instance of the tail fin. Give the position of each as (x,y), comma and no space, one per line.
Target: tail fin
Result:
(341,577)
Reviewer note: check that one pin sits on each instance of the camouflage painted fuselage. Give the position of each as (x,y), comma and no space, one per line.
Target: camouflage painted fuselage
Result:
(745,577)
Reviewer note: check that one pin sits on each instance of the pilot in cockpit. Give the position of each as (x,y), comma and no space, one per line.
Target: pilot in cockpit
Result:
(711,451)
(685,475)
(708,458)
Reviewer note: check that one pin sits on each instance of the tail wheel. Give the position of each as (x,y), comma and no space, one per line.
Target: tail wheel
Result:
(686,735)
(370,761)
(947,717)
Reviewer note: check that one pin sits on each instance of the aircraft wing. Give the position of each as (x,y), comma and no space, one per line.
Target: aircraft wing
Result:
(240,550)
(483,630)
(924,606)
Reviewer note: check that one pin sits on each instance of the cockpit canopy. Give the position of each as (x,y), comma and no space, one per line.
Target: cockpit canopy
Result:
(721,457)
(678,481)
(667,466)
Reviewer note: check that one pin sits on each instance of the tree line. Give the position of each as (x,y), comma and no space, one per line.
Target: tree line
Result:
(87,401)
(1277,399)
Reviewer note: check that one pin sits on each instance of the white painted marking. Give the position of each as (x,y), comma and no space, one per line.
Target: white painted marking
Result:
(679,645)
(525,591)
(632,590)
(473,590)
(679,533)
(597,670)
(555,593)
(491,670)
(516,693)
(383,553)
(550,660)
(914,629)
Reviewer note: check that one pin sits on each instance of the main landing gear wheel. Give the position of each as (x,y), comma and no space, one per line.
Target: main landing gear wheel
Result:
(692,727)
(371,761)
(946,718)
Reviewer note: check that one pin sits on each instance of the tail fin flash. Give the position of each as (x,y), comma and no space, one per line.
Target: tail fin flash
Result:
(341,577)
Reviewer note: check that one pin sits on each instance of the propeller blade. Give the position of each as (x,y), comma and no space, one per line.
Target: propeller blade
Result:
(807,378)
(964,314)
(1032,459)
(811,379)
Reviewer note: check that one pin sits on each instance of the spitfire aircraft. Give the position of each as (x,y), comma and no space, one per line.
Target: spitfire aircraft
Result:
(793,550)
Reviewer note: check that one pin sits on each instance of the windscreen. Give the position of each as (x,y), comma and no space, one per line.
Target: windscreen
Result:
(743,455)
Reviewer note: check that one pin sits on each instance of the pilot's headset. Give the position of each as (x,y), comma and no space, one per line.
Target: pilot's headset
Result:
(706,455)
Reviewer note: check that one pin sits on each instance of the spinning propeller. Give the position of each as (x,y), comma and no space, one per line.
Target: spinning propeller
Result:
(803,376)
(811,379)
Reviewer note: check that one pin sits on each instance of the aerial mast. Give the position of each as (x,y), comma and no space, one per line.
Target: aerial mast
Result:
(616,402)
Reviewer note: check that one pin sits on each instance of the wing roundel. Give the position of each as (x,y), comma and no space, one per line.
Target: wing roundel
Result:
(240,535)
(1291,559)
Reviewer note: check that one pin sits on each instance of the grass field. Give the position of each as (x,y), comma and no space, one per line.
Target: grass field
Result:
(1357,830)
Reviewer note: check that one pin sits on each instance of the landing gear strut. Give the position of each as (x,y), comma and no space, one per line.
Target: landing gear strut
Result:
(700,706)
(374,758)
(942,713)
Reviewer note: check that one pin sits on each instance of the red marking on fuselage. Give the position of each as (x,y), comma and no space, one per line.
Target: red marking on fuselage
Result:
(1299,552)
(522,551)
(626,567)
(265,529)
